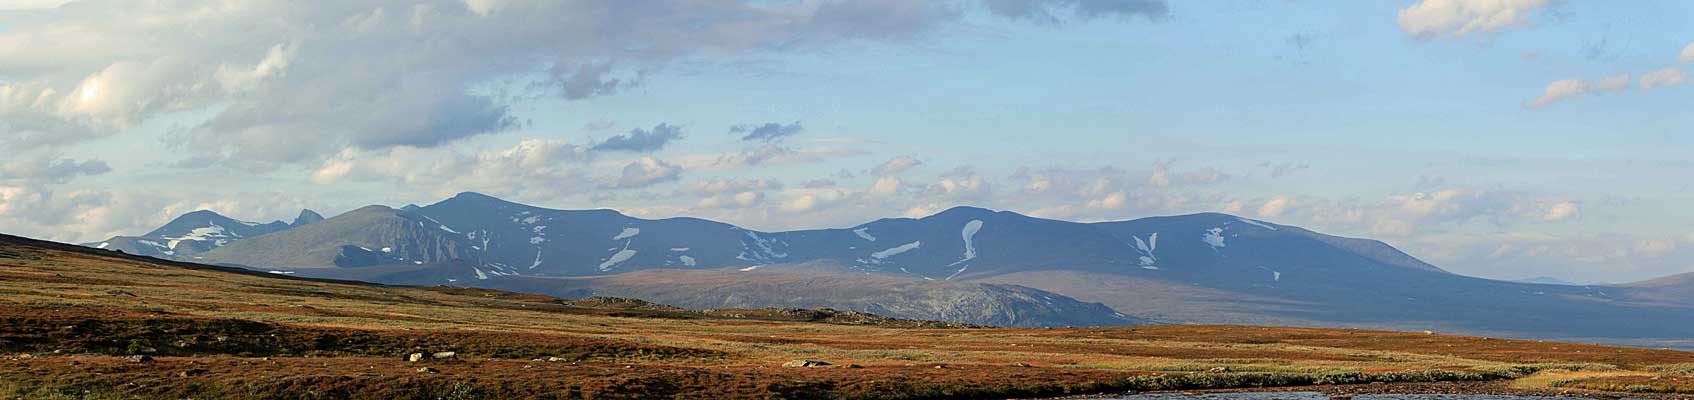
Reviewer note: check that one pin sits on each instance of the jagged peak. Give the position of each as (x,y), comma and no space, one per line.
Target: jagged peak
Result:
(307,216)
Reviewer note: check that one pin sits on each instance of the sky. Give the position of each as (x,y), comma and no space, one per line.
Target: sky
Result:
(1499,138)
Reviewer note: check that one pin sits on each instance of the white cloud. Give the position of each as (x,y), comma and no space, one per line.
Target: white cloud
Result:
(812,200)
(1561,211)
(1275,207)
(1569,88)
(1460,18)
(31,4)
(648,171)
(42,169)
(896,165)
(1667,77)
(887,185)
(1114,201)
(285,83)
(1687,54)
(1163,177)
(531,169)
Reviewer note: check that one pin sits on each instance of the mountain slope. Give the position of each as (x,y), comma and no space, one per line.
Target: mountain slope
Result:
(189,235)
(973,303)
(1675,289)
(542,241)
(369,236)
(1200,268)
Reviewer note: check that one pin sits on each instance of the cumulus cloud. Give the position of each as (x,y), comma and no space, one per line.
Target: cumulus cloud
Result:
(49,170)
(813,200)
(1459,18)
(962,183)
(732,201)
(1561,211)
(767,132)
(896,165)
(531,169)
(589,79)
(648,171)
(1667,77)
(642,140)
(1162,177)
(887,185)
(284,82)
(1570,88)
(718,186)
(1275,207)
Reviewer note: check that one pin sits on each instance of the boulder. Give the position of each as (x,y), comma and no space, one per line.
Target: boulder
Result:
(428,370)
(415,357)
(444,356)
(139,358)
(806,364)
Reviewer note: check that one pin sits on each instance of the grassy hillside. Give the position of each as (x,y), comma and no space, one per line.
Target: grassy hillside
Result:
(70,317)
(1000,305)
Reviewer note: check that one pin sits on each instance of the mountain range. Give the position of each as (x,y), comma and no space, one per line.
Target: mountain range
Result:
(964,264)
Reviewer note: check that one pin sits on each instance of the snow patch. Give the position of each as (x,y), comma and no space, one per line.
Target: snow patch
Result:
(749,268)
(864,233)
(1147,259)
(618,258)
(969,234)
(449,230)
(1213,237)
(282,272)
(1256,223)
(102,245)
(479,274)
(537,262)
(199,234)
(881,255)
(537,240)
(531,220)
(388,249)
(761,249)
(627,233)
(688,261)
(679,249)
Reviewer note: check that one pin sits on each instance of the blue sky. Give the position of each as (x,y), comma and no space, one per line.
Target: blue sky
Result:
(1440,126)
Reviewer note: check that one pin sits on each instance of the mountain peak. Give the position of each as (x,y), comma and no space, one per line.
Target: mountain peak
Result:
(199,214)
(965,211)
(374,208)
(474,198)
(307,216)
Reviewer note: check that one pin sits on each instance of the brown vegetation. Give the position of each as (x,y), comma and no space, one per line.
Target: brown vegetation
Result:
(70,318)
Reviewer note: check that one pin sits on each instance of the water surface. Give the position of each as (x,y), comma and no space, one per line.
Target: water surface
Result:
(1322,396)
